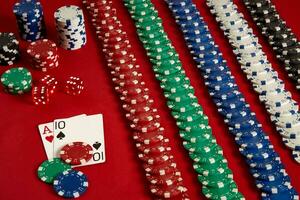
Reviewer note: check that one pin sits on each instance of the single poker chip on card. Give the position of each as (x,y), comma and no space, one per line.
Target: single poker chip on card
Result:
(70,184)
(76,153)
(49,169)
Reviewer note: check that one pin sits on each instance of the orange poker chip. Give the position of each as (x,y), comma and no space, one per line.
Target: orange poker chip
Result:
(76,153)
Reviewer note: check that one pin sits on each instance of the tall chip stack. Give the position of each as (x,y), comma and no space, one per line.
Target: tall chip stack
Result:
(30,19)
(9,49)
(70,27)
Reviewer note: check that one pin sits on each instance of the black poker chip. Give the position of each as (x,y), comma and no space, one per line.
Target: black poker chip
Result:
(9,48)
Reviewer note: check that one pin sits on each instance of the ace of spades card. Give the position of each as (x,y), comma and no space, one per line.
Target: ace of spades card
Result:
(88,129)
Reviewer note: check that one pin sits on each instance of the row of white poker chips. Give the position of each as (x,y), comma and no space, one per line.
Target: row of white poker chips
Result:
(271,89)
(280,26)
(143,28)
(70,27)
(90,5)
(193,44)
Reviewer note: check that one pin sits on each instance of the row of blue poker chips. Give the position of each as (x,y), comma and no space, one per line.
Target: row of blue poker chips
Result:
(30,20)
(275,97)
(180,12)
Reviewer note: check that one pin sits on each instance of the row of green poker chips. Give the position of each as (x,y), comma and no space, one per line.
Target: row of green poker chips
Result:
(17,80)
(209,163)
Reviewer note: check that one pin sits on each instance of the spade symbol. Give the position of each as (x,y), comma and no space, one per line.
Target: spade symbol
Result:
(97,145)
(60,135)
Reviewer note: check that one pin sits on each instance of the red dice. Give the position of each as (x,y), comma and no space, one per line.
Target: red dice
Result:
(74,86)
(50,82)
(40,95)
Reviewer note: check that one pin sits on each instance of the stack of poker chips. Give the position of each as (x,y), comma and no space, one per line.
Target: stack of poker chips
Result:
(67,182)
(9,49)
(30,19)
(278,101)
(43,54)
(283,41)
(165,181)
(70,27)
(16,80)
(253,143)
(209,163)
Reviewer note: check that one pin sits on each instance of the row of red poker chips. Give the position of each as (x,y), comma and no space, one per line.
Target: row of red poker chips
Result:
(154,149)
(48,85)
(43,54)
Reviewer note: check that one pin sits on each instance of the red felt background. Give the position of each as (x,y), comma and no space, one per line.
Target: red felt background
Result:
(122,176)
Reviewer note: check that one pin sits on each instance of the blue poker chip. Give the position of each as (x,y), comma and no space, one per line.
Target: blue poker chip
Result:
(231,104)
(275,186)
(226,86)
(269,168)
(222,77)
(241,112)
(258,155)
(255,143)
(290,194)
(196,49)
(224,95)
(70,184)
(214,70)
(242,123)
(192,35)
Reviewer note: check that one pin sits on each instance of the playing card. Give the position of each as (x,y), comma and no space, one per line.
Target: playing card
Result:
(47,136)
(88,129)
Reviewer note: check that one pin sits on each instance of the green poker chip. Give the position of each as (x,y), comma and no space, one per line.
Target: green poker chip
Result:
(201,148)
(221,181)
(213,170)
(226,192)
(150,35)
(188,116)
(199,136)
(49,169)
(169,71)
(16,78)
(202,121)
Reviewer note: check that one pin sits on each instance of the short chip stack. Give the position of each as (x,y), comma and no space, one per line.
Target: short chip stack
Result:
(16,80)
(153,146)
(67,183)
(253,143)
(43,54)
(209,162)
(70,27)
(283,41)
(30,19)
(9,49)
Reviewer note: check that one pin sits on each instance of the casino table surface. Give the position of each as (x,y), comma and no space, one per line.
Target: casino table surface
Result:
(121,176)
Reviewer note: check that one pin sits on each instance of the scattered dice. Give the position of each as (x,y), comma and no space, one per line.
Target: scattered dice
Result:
(50,82)
(74,86)
(40,95)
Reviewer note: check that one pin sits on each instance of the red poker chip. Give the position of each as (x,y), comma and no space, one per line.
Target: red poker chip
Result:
(165,168)
(157,159)
(121,37)
(168,192)
(76,153)
(120,54)
(143,117)
(132,91)
(42,49)
(167,180)
(128,70)
(129,81)
(154,149)
(114,47)
(121,61)
(138,108)
(150,137)
(129,74)
(146,127)
(134,100)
